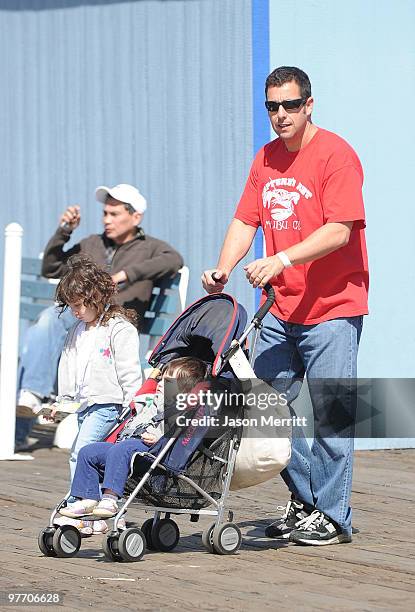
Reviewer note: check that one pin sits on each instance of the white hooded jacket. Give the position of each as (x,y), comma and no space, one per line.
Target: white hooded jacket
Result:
(115,371)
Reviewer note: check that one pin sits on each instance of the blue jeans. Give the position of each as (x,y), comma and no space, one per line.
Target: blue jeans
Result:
(94,424)
(104,463)
(39,357)
(321,475)
(41,349)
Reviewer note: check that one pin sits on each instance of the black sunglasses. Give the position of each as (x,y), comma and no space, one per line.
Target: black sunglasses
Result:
(287,105)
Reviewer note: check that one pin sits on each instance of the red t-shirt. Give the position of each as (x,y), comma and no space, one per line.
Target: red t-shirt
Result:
(291,195)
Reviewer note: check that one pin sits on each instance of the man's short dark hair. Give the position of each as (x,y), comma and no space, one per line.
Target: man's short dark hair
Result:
(286,74)
(130,209)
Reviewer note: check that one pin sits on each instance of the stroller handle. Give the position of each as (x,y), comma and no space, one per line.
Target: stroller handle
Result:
(260,314)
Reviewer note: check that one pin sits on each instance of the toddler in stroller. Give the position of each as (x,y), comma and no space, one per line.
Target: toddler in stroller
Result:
(104,465)
(189,469)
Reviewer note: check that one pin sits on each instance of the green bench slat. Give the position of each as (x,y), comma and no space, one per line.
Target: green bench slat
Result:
(37,290)
(164,303)
(30,312)
(31,266)
(169,283)
(156,326)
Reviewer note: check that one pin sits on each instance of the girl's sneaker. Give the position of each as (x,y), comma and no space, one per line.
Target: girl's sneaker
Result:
(79,508)
(100,527)
(106,508)
(97,527)
(84,527)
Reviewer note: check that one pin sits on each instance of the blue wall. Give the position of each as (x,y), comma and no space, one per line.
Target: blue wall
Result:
(360,57)
(152,92)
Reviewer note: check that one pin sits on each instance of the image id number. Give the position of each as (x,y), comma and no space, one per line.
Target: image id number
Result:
(14,598)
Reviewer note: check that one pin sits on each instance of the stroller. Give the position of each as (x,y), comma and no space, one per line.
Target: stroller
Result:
(189,470)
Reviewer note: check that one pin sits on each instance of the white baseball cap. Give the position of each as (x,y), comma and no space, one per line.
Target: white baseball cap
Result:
(124,193)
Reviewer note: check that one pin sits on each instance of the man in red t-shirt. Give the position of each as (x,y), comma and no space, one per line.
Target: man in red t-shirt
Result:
(305,191)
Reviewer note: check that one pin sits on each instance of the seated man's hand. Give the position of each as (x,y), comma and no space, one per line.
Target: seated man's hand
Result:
(119,277)
(71,218)
(148,438)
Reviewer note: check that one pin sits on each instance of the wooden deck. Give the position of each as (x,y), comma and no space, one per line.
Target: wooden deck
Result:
(375,572)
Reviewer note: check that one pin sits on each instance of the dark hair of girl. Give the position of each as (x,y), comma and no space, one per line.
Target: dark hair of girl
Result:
(84,280)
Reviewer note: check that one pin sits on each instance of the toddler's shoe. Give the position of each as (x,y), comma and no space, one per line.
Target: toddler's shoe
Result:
(106,508)
(79,508)
(84,527)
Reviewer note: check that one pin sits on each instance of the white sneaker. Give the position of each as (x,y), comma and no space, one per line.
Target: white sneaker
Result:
(122,523)
(82,507)
(84,527)
(106,508)
(28,404)
(97,527)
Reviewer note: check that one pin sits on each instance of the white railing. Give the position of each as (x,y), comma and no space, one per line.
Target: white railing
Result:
(10,340)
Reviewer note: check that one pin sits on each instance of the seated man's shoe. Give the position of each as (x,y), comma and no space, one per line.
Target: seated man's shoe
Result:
(28,404)
(82,507)
(106,508)
(318,530)
(25,445)
(294,512)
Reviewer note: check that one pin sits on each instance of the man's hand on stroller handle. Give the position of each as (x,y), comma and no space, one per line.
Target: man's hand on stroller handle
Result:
(214,280)
(261,271)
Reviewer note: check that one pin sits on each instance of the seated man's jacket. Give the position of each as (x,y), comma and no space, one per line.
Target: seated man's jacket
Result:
(144,260)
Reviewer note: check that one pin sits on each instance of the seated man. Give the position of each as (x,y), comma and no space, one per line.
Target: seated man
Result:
(134,259)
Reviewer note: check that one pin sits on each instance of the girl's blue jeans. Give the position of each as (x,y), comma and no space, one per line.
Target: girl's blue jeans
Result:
(94,424)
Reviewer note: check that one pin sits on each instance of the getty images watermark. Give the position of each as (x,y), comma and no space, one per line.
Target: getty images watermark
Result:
(342,407)
(222,408)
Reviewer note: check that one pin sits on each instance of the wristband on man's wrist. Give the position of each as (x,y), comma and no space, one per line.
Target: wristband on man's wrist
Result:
(284,259)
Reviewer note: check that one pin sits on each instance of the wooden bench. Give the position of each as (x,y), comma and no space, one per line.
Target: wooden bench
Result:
(167,301)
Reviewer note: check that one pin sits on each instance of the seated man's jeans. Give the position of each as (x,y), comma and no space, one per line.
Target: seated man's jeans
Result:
(321,475)
(104,465)
(39,357)
(41,349)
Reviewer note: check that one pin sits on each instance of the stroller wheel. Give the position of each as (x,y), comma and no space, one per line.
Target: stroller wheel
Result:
(132,544)
(146,528)
(165,535)
(227,539)
(110,547)
(66,541)
(45,542)
(207,538)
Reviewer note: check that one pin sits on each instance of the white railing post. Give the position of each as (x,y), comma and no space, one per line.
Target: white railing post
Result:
(10,339)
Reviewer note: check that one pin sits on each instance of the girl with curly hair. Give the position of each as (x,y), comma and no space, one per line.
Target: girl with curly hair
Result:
(99,370)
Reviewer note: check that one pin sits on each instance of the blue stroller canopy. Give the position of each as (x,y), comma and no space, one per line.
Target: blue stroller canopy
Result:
(204,330)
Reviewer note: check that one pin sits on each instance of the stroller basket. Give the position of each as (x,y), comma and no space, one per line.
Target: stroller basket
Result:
(205,468)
